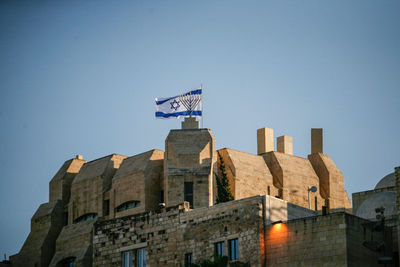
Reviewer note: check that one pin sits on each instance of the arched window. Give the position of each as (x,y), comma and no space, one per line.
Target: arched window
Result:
(67,262)
(86,217)
(127,205)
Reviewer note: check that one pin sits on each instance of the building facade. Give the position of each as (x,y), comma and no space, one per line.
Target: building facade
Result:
(159,208)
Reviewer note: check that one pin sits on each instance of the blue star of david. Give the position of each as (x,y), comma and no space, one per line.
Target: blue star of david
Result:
(175,104)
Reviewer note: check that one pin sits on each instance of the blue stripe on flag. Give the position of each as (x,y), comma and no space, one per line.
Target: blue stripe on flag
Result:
(194,92)
(183,113)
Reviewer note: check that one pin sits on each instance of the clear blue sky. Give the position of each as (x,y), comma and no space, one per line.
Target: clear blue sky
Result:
(80,77)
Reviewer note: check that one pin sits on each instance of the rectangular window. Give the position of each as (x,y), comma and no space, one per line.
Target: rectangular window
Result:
(65,218)
(161,196)
(127,259)
(220,249)
(188,192)
(188,259)
(106,207)
(280,193)
(141,257)
(316,203)
(233,249)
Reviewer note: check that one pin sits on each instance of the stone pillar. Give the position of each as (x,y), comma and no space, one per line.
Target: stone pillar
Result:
(265,140)
(285,144)
(316,140)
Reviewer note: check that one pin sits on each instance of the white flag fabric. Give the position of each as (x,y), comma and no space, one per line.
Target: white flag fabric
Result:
(180,106)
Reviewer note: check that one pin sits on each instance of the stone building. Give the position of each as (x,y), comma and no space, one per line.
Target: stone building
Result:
(159,208)
(383,195)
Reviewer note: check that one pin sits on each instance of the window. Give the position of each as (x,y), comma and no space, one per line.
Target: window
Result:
(68,262)
(269,190)
(162,196)
(127,259)
(86,217)
(233,249)
(280,193)
(188,259)
(65,218)
(106,207)
(220,249)
(128,205)
(188,192)
(316,202)
(141,257)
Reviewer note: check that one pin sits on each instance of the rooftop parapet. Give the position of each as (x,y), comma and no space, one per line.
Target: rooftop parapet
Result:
(285,144)
(317,141)
(265,140)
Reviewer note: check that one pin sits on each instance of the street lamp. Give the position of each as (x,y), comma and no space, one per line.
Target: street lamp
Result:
(312,189)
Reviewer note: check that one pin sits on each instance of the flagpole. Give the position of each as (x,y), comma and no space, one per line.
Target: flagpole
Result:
(202,109)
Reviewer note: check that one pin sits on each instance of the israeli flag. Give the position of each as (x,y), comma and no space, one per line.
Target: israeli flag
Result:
(180,106)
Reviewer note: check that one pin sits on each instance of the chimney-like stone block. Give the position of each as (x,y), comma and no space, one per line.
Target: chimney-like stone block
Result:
(285,144)
(190,123)
(316,140)
(265,140)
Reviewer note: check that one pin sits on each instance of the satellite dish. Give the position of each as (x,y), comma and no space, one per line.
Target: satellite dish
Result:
(313,189)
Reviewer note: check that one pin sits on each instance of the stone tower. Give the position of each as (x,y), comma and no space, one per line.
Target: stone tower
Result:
(190,159)
(331,179)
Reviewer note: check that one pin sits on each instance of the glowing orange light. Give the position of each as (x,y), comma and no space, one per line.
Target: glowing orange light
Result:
(278,228)
(278,233)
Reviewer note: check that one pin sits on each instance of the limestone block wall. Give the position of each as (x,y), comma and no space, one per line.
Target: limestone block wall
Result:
(331,181)
(293,175)
(113,165)
(138,179)
(247,173)
(332,240)
(39,247)
(124,189)
(316,241)
(60,185)
(356,233)
(154,190)
(167,236)
(75,241)
(86,197)
(190,156)
(89,186)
